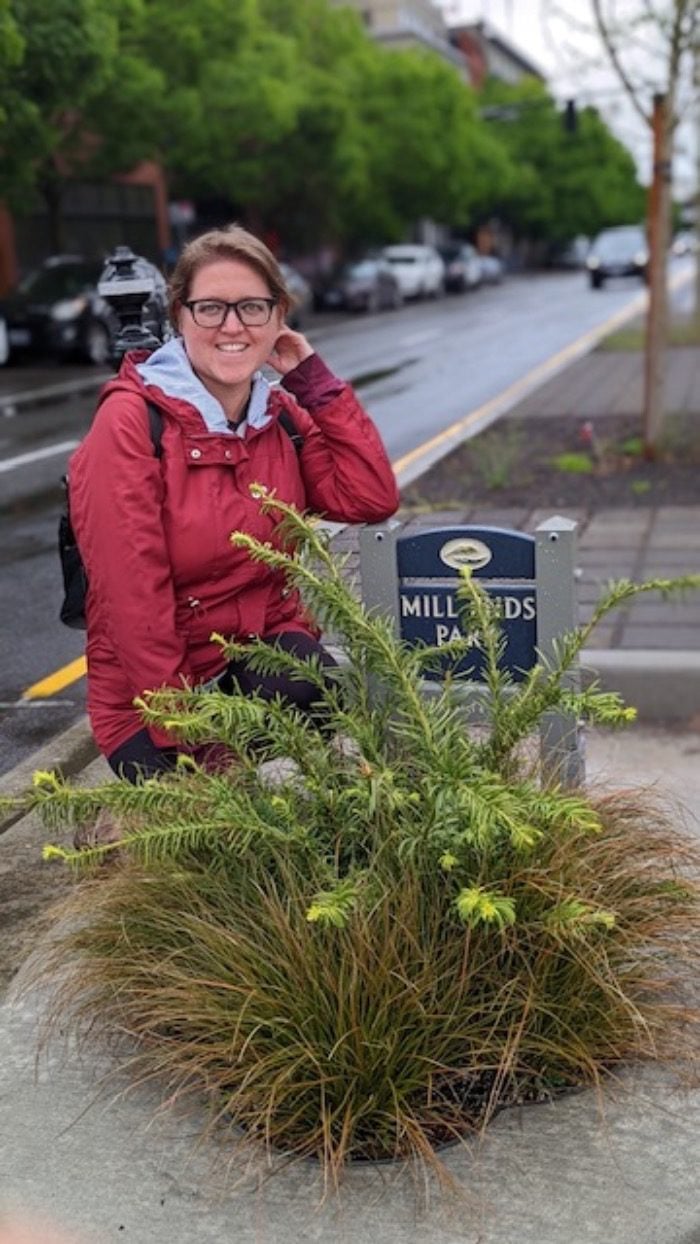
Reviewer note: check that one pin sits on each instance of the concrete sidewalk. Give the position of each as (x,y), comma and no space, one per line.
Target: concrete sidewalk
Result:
(622,1170)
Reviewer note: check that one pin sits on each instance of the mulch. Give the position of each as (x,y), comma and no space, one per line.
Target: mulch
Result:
(565,461)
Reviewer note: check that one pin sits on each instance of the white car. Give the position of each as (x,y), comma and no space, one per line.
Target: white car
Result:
(419,269)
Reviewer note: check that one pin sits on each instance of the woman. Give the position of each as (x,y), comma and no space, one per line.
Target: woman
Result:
(154,531)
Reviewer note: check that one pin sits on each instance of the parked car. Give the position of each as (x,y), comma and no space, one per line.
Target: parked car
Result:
(573,255)
(419,269)
(56,310)
(618,252)
(300,290)
(685,243)
(491,269)
(462,267)
(370,284)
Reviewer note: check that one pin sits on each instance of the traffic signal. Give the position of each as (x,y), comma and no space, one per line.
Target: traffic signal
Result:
(570,117)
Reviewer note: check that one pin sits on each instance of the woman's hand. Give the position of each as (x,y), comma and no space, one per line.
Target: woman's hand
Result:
(290,349)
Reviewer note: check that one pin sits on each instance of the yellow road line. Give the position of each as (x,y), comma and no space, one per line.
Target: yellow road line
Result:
(76,669)
(56,682)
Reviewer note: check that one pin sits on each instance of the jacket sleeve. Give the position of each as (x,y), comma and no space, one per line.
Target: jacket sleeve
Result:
(347,475)
(116,496)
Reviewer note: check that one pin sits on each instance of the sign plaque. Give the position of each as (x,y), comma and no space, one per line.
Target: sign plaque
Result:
(428,567)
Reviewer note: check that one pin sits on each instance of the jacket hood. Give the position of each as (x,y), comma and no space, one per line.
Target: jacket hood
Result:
(169,370)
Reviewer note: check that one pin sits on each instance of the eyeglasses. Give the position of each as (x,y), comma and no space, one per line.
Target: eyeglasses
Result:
(212,313)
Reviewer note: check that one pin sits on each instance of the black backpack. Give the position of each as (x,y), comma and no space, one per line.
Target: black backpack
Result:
(72,612)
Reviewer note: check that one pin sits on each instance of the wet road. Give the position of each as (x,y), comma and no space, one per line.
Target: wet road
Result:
(419,371)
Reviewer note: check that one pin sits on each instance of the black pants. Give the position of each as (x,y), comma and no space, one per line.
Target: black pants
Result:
(140,758)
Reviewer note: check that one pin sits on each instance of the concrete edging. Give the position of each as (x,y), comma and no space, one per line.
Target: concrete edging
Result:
(663,685)
(70,752)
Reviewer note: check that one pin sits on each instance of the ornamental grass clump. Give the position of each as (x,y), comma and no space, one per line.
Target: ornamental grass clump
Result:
(416,927)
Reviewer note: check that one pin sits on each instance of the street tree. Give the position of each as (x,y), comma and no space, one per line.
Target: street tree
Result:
(673,28)
(651,46)
(430,154)
(11,48)
(318,174)
(309,130)
(16,113)
(76,100)
(235,88)
(568,182)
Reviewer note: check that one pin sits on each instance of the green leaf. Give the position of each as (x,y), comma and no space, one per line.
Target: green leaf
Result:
(476,905)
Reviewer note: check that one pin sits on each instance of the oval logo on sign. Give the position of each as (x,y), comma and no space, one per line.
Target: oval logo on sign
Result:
(465,552)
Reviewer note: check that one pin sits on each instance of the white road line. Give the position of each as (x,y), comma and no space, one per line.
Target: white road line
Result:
(419,339)
(49,451)
(25,704)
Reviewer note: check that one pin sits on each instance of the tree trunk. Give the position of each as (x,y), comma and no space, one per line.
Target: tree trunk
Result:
(657,315)
(52,194)
(696,234)
(696,202)
(696,216)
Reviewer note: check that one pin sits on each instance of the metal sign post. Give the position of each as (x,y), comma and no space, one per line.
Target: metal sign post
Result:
(413,579)
(561,735)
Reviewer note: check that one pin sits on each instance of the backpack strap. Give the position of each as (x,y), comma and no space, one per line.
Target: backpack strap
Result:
(155,427)
(295,436)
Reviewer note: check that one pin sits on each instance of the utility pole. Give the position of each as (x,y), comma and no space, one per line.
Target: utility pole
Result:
(658,230)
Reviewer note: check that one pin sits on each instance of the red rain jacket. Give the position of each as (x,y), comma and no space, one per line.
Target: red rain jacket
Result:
(154,533)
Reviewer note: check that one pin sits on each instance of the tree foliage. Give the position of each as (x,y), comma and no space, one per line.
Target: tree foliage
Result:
(75,98)
(567,183)
(292,116)
(429,152)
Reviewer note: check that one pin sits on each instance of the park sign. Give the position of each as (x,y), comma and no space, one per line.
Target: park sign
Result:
(429,565)
(411,574)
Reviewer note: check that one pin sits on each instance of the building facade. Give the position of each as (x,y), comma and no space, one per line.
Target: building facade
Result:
(409,24)
(490,55)
(477,50)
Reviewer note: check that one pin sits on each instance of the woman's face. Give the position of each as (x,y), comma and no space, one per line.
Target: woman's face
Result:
(225,358)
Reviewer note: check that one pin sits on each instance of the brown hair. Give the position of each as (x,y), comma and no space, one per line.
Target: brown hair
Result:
(232,242)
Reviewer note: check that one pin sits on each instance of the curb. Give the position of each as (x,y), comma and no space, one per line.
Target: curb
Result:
(70,752)
(11,403)
(662,684)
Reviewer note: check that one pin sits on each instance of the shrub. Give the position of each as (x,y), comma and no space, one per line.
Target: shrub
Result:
(495,455)
(573,463)
(415,928)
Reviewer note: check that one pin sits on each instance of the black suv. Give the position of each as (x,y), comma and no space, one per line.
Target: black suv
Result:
(622,251)
(56,311)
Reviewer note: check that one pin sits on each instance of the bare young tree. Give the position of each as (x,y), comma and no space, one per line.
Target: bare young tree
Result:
(664,37)
(651,45)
